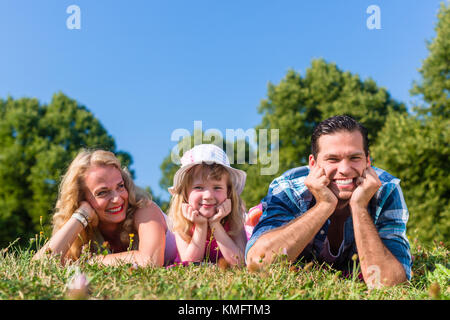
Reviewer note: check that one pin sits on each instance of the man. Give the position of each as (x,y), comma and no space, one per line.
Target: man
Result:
(337,206)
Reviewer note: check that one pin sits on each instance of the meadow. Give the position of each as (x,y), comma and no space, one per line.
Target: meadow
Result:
(22,278)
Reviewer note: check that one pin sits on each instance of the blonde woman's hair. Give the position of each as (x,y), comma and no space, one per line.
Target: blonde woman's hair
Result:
(209,171)
(71,193)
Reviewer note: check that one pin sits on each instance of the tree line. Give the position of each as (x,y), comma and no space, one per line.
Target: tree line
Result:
(38,141)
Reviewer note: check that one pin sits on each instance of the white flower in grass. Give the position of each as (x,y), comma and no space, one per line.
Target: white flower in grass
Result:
(78,286)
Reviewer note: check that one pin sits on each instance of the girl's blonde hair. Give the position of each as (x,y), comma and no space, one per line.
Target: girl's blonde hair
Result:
(209,171)
(71,193)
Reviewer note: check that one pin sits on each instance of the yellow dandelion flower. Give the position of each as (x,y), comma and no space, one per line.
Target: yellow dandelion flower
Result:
(222,264)
(308,266)
(253,267)
(434,290)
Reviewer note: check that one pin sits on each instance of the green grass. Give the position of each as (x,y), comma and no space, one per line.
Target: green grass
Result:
(22,278)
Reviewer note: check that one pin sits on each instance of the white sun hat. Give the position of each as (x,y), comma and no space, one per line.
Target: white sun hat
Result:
(209,154)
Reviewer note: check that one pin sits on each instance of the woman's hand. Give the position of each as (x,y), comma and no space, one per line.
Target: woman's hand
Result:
(92,215)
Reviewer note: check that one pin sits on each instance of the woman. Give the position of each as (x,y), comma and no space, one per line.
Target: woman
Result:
(99,205)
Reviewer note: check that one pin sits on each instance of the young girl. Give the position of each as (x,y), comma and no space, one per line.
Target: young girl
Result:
(206,209)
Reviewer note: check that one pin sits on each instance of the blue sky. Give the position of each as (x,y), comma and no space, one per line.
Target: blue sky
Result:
(147,68)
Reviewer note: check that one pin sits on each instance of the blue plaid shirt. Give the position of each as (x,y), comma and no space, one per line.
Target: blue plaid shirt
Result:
(288,198)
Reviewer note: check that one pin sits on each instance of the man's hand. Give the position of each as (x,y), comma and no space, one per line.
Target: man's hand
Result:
(223,210)
(192,215)
(367,185)
(317,182)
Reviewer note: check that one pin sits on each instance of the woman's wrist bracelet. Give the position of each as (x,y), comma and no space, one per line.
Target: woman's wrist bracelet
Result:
(84,214)
(80,218)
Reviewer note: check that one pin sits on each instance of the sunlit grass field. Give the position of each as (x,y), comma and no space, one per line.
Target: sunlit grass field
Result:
(21,278)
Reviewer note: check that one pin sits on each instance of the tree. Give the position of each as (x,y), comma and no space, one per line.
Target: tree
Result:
(37,143)
(415,148)
(164,205)
(297,104)
(435,70)
(417,152)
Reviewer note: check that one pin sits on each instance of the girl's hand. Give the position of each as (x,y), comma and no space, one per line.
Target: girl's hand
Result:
(223,210)
(192,215)
(93,217)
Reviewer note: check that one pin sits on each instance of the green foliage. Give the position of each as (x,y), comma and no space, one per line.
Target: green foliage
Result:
(164,205)
(415,148)
(435,84)
(37,143)
(417,151)
(297,104)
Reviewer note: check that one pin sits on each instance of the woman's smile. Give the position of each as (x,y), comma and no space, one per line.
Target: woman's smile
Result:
(115,210)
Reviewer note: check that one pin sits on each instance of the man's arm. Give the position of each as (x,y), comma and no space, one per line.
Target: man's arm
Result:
(378,265)
(293,237)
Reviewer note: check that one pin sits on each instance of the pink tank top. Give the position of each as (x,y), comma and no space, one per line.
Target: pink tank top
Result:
(212,252)
(170,252)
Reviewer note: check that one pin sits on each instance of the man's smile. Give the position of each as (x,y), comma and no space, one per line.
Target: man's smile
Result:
(344,183)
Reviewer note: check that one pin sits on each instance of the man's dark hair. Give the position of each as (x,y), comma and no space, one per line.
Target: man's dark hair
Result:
(335,124)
